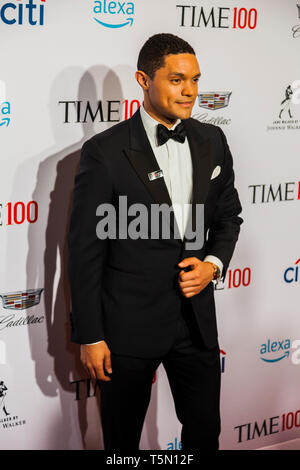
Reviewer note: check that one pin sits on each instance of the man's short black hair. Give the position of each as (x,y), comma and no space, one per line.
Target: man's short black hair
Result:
(152,55)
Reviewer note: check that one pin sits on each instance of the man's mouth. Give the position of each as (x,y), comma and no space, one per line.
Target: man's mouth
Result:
(185,104)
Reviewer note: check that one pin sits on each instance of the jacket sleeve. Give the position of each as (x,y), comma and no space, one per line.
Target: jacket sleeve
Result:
(225,228)
(86,252)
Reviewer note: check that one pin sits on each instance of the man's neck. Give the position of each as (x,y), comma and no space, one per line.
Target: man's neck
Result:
(159,117)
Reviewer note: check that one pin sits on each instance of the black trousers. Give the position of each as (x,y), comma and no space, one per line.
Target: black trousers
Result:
(194,376)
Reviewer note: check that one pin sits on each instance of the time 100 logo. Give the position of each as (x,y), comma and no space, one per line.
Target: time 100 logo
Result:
(19,212)
(238,277)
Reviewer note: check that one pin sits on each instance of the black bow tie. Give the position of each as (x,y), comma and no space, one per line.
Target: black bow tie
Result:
(163,134)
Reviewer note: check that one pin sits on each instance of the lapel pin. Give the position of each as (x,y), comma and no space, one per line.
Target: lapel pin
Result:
(155,174)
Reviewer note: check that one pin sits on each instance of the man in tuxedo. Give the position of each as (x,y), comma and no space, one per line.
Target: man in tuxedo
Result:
(138,302)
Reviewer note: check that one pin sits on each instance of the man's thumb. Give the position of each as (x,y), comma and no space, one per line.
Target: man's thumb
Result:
(107,364)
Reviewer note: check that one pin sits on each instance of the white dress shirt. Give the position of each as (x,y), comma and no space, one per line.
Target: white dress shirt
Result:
(174,159)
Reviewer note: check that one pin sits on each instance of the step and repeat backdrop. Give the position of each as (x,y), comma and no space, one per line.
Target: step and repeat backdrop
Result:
(67,72)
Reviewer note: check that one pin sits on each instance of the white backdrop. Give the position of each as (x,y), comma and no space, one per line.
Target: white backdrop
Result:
(60,58)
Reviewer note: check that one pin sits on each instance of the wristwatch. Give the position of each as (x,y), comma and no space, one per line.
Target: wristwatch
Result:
(217,271)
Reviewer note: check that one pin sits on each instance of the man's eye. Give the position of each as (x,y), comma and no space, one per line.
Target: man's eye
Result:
(175,80)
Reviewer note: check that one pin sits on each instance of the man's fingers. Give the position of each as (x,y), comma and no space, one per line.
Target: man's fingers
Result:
(190,289)
(90,370)
(107,363)
(183,276)
(96,371)
(94,357)
(189,261)
(191,283)
(100,373)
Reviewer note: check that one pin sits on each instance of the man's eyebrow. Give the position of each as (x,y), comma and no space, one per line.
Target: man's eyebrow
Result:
(178,74)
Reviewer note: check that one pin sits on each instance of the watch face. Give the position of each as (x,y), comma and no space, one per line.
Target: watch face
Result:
(217,273)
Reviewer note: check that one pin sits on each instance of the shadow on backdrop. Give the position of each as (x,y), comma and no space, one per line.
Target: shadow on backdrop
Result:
(47,265)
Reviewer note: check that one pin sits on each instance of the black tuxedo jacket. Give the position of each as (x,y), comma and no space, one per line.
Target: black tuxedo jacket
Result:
(124,290)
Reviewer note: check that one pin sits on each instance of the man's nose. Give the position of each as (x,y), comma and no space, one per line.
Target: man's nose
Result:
(188,89)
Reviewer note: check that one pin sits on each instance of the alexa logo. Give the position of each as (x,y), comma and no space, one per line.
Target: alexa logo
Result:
(275,351)
(4,113)
(291,273)
(29,12)
(4,107)
(113,14)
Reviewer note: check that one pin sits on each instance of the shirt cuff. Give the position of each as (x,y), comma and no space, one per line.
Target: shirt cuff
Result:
(89,344)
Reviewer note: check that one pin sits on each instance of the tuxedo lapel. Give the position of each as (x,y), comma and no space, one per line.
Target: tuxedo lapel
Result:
(202,167)
(201,160)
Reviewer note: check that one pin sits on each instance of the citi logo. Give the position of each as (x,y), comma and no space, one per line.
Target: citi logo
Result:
(291,274)
(275,351)
(113,14)
(23,12)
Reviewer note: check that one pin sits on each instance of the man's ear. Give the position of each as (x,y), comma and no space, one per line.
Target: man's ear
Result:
(142,79)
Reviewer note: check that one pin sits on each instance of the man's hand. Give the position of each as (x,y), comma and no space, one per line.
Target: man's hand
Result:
(93,356)
(194,281)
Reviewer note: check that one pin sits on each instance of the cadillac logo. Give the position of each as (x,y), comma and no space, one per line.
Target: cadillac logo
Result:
(22,299)
(214,100)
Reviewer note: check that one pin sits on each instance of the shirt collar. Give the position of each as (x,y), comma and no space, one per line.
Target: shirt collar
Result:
(150,124)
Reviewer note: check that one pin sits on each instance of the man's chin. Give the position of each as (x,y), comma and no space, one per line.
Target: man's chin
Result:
(184,114)
(174,114)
